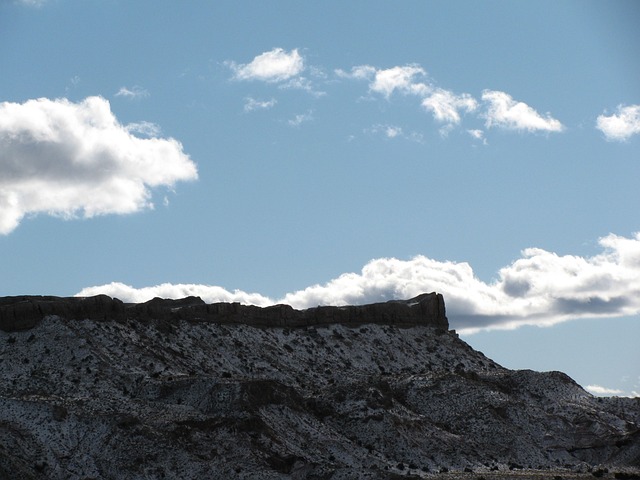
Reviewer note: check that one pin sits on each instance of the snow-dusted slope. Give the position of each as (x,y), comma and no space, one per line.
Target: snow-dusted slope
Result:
(166,398)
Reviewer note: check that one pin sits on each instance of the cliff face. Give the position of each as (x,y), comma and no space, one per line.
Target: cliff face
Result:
(24,312)
(103,389)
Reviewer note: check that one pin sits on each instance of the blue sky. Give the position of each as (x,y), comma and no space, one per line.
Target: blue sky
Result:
(331,152)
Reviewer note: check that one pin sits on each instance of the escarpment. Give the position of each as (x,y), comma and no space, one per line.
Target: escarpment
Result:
(24,312)
(97,388)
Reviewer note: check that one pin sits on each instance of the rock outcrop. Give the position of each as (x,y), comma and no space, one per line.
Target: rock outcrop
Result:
(24,312)
(94,388)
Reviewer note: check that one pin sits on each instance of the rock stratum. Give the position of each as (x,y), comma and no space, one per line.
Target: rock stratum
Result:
(94,388)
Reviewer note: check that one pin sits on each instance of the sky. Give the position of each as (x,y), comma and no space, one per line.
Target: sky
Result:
(331,153)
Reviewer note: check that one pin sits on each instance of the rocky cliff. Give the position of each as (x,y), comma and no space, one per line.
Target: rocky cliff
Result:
(24,312)
(94,388)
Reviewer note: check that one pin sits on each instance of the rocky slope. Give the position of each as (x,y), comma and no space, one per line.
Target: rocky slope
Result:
(94,388)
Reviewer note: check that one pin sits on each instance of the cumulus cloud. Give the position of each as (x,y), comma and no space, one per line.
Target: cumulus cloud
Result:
(598,390)
(620,126)
(208,293)
(446,105)
(273,66)
(68,159)
(133,92)
(400,79)
(540,288)
(252,104)
(504,112)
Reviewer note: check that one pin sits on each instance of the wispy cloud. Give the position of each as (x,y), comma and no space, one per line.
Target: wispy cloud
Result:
(603,391)
(504,112)
(251,104)
(620,126)
(540,288)
(301,118)
(68,159)
(148,129)
(275,65)
(478,135)
(133,92)
(302,83)
(394,131)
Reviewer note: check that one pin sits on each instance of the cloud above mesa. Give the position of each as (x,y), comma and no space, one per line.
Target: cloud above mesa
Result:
(539,288)
(71,159)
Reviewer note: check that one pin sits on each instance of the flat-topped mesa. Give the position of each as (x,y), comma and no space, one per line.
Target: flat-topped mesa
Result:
(23,313)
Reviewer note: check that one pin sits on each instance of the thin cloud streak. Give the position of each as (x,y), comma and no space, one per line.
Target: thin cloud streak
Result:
(251,104)
(540,288)
(75,159)
(603,391)
(133,92)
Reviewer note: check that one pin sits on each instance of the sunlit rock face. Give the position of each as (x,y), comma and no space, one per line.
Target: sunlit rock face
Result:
(94,388)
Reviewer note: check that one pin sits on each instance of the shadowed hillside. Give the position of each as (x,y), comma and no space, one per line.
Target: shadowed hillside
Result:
(94,388)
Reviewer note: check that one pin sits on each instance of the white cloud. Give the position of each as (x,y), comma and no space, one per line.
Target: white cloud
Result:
(148,129)
(398,78)
(361,72)
(300,119)
(503,111)
(540,288)
(252,104)
(389,80)
(446,105)
(598,390)
(273,66)
(393,131)
(209,293)
(133,92)
(64,159)
(620,126)
(301,83)
(477,134)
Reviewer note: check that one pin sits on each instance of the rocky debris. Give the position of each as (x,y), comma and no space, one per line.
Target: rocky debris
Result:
(145,393)
(22,313)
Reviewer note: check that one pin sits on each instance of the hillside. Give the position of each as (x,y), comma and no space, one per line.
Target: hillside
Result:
(94,388)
